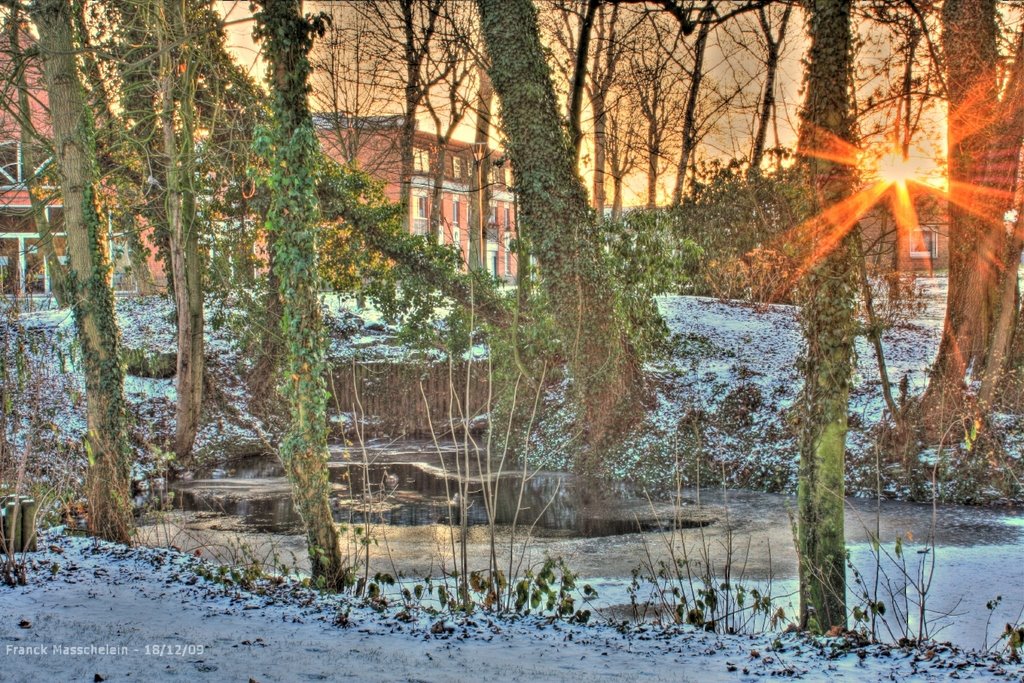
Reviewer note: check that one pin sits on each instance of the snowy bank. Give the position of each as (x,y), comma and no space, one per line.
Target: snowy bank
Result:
(96,611)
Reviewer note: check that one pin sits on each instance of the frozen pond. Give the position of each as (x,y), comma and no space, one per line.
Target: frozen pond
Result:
(406,498)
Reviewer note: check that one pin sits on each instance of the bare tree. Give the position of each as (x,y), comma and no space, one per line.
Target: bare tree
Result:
(655,85)
(455,65)
(689,135)
(179,73)
(354,91)
(407,28)
(622,142)
(773,34)
(613,39)
(984,143)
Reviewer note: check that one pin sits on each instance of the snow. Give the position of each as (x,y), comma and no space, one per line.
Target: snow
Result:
(731,367)
(723,354)
(160,620)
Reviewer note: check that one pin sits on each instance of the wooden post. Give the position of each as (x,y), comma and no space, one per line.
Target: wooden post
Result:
(5,530)
(12,524)
(28,525)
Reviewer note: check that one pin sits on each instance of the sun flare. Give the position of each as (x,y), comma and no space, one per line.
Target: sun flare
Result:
(895,168)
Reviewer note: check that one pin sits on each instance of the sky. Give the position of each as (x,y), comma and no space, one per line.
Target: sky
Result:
(731,58)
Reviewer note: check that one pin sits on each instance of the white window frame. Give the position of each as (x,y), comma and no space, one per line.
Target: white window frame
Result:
(930,238)
(420,160)
(420,214)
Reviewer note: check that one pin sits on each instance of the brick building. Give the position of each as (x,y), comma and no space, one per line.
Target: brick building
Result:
(924,249)
(24,270)
(375,143)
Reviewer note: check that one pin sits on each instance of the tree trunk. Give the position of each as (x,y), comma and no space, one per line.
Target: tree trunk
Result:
(579,78)
(969,35)
(653,154)
(1005,172)
(182,227)
(437,193)
(406,142)
(690,113)
(287,38)
(138,255)
(557,223)
(600,161)
(108,477)
(481,171)
(828,323)
(616,197)
(774,49)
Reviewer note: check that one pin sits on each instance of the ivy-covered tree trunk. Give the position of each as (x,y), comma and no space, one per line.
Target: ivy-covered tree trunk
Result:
(88,276)
(557,223)
(176,118)
(291,220)
(828,324)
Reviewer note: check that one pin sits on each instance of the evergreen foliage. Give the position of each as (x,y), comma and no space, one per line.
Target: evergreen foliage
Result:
(290,146)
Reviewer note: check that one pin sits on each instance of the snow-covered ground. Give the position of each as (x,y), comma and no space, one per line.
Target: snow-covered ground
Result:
(96,611)
(730,370)
(723,394)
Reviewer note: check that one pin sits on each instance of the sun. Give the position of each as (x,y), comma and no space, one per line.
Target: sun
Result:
(893,167)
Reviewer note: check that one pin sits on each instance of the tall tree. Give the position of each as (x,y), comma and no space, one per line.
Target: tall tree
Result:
(179,70)
(88,278)
(457,66)
(1008,325)
(408,29)
(287,37)
(610,44)
(656,86)
(773,41)
(688,142)
(481,172)
(557,223)
(982,169)
(827,318)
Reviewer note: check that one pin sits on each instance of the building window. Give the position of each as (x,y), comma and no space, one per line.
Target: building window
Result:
(419,221)
(420,160)
(456,211)
(457,237)
(498,175)
(10,163)
(508,217)
(457,168)
(924,243)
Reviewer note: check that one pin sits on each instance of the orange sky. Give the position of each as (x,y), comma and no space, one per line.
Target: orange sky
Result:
(731,137)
